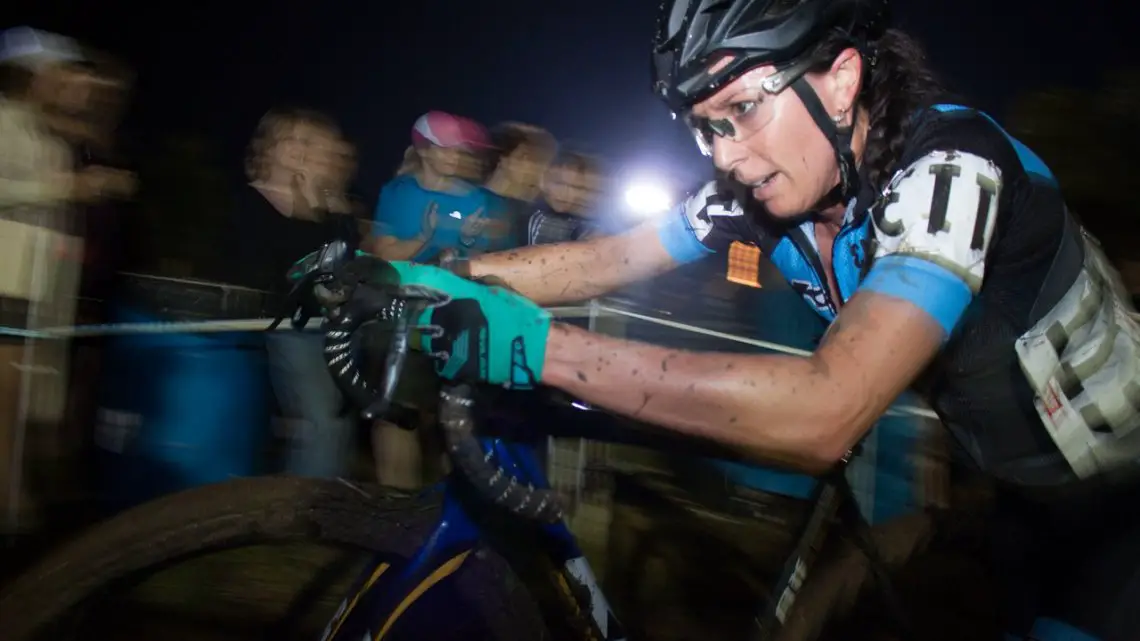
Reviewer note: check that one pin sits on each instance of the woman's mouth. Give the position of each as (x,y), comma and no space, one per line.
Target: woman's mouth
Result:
(763,187)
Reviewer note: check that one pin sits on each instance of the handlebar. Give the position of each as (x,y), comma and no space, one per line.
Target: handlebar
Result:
(350,290)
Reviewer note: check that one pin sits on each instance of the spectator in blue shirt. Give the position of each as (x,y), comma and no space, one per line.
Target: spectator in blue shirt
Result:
(430,208)
(427,209)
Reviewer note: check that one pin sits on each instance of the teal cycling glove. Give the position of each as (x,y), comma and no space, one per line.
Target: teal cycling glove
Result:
(479,332)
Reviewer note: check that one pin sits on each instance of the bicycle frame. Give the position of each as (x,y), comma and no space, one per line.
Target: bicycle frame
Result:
(385,591)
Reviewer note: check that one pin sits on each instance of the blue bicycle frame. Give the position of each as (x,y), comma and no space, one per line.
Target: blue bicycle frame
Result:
(383,594)
(390,586)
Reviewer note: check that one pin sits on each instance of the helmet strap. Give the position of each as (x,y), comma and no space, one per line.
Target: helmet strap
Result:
(840,139)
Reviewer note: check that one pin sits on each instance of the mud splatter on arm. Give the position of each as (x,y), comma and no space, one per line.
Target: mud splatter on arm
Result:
(724,397)
(569,272)
(801,411)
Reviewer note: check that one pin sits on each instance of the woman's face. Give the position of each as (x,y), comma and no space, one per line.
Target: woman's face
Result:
(569,191)
(470,165)
(299,147)
(778,151)
(64,95)
(524,161)
(308,156)
(444,161)
(524,167)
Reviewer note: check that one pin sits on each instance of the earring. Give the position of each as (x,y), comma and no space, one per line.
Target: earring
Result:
(838,118)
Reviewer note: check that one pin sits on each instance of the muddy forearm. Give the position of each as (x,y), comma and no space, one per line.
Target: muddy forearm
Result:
(568,272)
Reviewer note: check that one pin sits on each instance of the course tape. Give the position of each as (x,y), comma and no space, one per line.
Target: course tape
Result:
(261,324)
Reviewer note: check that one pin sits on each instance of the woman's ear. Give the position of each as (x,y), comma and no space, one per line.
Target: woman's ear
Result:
(845,78)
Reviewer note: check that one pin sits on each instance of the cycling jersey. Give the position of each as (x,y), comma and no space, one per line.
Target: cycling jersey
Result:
(973,230)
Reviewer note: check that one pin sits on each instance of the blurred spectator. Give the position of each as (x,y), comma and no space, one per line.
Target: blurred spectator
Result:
(570,189)
(518,157)
(513,169)
(42,101)
(298,166)
(428,208)
(101,89)
(38,74)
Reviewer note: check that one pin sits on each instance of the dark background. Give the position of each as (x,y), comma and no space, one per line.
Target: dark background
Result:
(577,67)
(206,71)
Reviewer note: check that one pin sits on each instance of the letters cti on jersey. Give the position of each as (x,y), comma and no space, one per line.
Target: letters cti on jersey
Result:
(941,208)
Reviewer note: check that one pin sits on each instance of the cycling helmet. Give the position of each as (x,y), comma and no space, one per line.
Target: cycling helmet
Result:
(446,130)
(692,35)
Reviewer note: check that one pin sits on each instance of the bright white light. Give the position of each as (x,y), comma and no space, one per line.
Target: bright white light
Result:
(647,199)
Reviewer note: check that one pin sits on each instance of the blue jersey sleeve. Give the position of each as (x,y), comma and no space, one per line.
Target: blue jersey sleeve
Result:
(700,225)
(400,210)
(931,287)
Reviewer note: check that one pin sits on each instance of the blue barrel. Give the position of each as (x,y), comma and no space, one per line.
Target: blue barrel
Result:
(179,410)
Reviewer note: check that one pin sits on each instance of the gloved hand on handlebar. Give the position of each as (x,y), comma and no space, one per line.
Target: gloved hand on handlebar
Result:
(478,333)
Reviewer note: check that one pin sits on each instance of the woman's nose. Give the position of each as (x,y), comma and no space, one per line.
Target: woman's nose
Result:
(727,153)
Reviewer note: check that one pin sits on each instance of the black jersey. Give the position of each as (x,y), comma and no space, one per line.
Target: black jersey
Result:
(1038,377)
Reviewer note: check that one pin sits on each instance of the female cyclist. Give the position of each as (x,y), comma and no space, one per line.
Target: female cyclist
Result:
(939,248)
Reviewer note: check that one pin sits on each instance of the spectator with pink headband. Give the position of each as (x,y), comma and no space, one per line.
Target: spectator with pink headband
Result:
(432,208)
(427,209)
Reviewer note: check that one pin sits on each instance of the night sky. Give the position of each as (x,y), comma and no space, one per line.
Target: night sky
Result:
(577,67)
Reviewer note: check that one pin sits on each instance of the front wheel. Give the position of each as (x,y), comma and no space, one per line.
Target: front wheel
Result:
(83,578)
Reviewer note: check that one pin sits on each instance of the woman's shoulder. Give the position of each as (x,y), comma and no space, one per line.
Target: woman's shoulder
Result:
(961,129)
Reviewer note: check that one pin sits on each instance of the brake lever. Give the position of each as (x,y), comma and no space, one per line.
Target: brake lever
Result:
(317,268)
(411,301)
(398,347)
